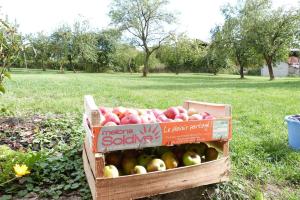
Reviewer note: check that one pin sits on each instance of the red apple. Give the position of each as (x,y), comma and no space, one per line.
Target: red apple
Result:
(131,119)
(131,111)
(111,117)
(181,109)
(206,115)
(157,112)
(161,118)
(119,111)
(183,116)
(104,110)
(171,112)
(148,118)
(195,117)
(110,124)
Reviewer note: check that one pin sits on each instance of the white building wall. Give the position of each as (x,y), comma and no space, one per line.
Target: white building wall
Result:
(281,70)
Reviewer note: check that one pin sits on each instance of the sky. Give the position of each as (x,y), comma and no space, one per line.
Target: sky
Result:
(196,17)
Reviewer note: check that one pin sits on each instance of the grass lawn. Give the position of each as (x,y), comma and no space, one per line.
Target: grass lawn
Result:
(261,159)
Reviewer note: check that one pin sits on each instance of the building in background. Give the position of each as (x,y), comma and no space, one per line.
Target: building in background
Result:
(283,69)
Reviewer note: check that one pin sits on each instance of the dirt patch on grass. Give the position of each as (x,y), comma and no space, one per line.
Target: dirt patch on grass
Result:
(17,132)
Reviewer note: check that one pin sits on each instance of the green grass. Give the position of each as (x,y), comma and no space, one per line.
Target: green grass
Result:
(261,158)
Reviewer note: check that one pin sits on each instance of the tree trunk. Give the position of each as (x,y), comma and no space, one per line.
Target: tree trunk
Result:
(270,68)
(25,60)
(71,63)
(61,69)
(146,65)
(242,72)
(43,66)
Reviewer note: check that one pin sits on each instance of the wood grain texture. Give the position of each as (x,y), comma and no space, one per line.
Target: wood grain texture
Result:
(217,110)
(96,160)
(136,186)
(88,173)
(91,110)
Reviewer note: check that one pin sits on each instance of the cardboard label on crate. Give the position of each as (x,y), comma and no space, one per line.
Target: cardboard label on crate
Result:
(220,129)
(113,138)
(186,132)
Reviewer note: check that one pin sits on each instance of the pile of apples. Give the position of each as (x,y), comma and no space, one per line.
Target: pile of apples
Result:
(153,159)
(121,116)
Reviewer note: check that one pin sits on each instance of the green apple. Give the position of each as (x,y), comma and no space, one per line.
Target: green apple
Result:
(198,148)
(191,158)
(211,154)
(170,160)
(110,171)
(128,163)
(138,169)
(156,165)
(144,159)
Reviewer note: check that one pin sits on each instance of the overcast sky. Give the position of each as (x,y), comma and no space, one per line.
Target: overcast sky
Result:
(197,17)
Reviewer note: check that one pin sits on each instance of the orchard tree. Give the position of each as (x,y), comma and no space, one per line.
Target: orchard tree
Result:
(125,58)
(271,31)
(235,39)
(61,45)
(10,48)
(217,56)
(181,53)
(83,43)
(107,41)
(41,48)
(145,21)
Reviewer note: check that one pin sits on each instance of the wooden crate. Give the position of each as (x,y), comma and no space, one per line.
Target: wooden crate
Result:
(133,136)
(153,183)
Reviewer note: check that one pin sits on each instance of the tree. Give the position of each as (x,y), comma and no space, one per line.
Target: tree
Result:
(217,56)
(125,58)
(41,45)
(106,48)
(271,31)
(235,39)
(10,48)
(144,20)
(181,53)
(83,43)
(61,43)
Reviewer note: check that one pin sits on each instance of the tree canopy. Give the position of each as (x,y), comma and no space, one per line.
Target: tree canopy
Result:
(145,21)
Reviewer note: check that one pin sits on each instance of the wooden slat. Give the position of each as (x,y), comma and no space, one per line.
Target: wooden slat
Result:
(100,164)
(88,173)
(96,160)
(90,156)
(91,110)
(136,186)
(217,110)
(226,148)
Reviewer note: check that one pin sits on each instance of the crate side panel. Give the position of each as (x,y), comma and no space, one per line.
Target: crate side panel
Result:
(218,110)
(130,187)
(89,175)
(90,156)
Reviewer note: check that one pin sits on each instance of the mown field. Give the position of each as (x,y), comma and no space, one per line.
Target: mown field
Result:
(261,159)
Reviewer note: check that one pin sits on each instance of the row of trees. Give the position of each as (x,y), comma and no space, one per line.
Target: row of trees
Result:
(78,47)
(253,34)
